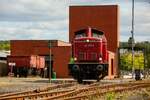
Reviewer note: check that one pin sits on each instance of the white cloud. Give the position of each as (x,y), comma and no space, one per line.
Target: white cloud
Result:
(48,19)
(23,33)
(32,10)
(33,19)
(142,20)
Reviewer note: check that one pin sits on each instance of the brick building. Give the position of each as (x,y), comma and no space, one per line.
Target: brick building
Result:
(60,53)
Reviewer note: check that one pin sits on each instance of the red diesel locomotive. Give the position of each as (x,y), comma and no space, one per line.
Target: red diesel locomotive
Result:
(89,55)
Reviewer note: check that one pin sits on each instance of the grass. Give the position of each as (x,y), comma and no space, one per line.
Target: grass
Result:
(125,95)
(110,96)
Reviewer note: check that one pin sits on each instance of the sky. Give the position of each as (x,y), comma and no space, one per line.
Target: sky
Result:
(49,19)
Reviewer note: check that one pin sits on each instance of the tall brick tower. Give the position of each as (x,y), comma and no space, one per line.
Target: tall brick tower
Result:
(102,17)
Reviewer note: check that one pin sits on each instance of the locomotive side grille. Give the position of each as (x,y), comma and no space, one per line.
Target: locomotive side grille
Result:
(87,56)
(81,56)
(93,56)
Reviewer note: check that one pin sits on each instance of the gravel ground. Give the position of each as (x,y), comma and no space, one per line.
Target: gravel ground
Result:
(19,87)
(8,84)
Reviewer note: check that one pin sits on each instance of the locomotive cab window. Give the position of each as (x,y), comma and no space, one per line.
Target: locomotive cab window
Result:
(80,34)
(96,33)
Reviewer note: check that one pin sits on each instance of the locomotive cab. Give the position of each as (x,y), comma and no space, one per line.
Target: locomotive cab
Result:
(89,55)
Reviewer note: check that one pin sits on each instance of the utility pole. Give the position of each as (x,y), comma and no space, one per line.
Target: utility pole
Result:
(132,32)
(49,45)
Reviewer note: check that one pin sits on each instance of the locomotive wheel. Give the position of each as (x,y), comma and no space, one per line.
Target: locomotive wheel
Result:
(101,76)
(79,79)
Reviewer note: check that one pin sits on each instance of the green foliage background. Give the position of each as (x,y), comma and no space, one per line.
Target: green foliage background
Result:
(4,45)
(126,61)
(126,58)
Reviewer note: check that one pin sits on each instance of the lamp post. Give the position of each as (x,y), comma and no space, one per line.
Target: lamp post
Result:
(132,32)
(49,45)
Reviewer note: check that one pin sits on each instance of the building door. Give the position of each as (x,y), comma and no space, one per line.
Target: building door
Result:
(112,67)
(47,65)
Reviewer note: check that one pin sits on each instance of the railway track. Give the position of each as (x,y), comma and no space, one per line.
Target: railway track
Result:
(32,92)
(99,92)
(45,92)
(84,93)
(78,91)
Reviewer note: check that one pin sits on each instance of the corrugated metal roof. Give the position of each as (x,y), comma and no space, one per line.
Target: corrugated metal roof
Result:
(4,53)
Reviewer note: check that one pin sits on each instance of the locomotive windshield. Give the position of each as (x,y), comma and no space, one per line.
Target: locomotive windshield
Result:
(97,33)
(81,33)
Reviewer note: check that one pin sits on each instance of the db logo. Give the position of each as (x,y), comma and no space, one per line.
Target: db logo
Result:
(89,45)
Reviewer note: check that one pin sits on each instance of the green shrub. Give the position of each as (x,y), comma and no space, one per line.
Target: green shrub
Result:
(110,96)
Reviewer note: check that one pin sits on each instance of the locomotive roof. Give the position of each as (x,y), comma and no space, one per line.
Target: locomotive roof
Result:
(93,30)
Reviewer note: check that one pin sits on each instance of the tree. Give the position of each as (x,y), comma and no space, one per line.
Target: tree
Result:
(143,46)
(4,45)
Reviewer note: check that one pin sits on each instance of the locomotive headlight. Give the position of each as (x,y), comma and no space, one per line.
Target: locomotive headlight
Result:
(100,58)
(87,40)
(75,58)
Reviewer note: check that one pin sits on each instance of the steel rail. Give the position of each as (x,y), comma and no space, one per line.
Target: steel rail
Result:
(36,95)
(68,93)
(37,90)
(88,89)
(86,96)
